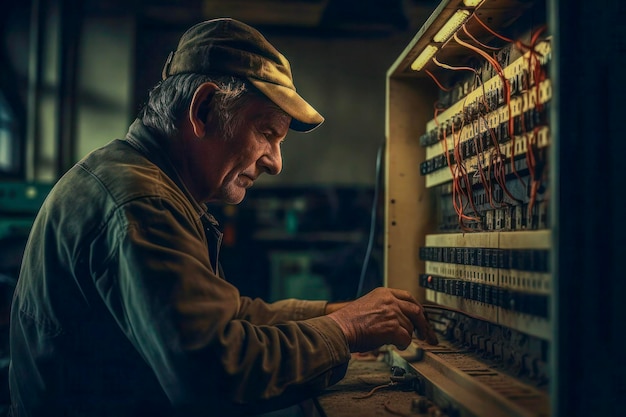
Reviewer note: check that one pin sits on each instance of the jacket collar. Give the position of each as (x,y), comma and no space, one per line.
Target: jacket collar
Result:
(155,148)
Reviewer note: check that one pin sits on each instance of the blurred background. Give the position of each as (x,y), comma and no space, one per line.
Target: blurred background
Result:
(74,75)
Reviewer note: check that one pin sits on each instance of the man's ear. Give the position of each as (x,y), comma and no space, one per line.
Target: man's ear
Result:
(199,107)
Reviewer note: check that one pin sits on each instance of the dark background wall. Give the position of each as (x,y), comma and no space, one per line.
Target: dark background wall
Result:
(93,62)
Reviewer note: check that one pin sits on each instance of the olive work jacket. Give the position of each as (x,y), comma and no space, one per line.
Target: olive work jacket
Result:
(120,309)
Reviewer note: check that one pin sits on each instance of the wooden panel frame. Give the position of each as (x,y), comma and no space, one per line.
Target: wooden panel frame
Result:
(408,210)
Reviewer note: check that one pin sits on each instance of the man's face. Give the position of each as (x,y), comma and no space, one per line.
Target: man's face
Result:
(221,169)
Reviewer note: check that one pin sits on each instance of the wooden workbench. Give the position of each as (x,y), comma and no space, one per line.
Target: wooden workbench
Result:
(365,392)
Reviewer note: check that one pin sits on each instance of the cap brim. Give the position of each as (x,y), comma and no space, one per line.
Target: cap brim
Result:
(299,126)
(304,117)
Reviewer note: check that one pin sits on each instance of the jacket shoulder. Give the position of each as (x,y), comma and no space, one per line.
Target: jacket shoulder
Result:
(123,172)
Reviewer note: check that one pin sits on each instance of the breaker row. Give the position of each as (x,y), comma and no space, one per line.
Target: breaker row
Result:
(535,260)
(487,139)
(518,301)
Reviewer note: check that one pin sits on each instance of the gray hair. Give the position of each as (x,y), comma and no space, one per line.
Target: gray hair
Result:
(169,100)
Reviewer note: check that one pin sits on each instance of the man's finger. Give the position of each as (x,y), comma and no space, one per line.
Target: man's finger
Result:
(403,295)
(417,315)
(423,328)
(428,331)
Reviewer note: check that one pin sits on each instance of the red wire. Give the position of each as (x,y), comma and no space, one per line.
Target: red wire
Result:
(492,31)
(465,178)
(483,180)
(470,193)
(493,48)
(531,152)
(457,193)
(437,81)
(507,92)
(459,172)
(454,190)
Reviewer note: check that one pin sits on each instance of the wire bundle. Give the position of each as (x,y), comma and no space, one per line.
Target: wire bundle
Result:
(493,165)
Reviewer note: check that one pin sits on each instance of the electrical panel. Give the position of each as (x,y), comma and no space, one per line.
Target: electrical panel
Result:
(468,203)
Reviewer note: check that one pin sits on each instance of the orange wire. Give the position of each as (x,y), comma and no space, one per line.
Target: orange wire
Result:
(463,171)
(457,195)
(453,68)
(468,184)
(462,176)
(534,68)
(493,48)
(444,142)
(498,160)
(483,180)
(505,83)
(491,31)
(437,81)
(507,92)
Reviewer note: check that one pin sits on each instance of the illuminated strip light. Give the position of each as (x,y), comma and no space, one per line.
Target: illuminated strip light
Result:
(452,25)
(423,58)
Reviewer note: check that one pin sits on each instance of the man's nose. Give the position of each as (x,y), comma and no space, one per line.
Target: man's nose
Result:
(272,161)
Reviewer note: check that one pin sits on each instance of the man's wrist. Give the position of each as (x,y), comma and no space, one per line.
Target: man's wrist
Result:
(332,307)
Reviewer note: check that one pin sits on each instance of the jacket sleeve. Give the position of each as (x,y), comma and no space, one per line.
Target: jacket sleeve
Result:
(258,311)
(187,323)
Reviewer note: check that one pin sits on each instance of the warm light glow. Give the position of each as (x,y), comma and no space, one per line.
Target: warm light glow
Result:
(472,3)
(424,57)
(452,25)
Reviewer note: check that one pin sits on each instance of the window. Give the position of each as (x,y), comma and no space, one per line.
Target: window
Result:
(10,150)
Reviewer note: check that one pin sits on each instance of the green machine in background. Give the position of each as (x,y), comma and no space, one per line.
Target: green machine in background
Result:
(19,204)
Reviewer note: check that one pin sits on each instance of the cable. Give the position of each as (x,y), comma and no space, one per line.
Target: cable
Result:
(462,192)
(507,94)
(437,308)
(534,158)
(441,87)
(453,68)
(458,169)
(461,168)
(463,177)
(374,213)
(534,70)
(373,390)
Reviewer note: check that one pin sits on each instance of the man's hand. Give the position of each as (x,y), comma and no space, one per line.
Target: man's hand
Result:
(383,316)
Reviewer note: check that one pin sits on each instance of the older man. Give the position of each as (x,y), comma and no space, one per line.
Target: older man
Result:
(121,308)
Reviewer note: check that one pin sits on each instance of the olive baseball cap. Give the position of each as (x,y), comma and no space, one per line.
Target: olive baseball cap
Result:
(228,46)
